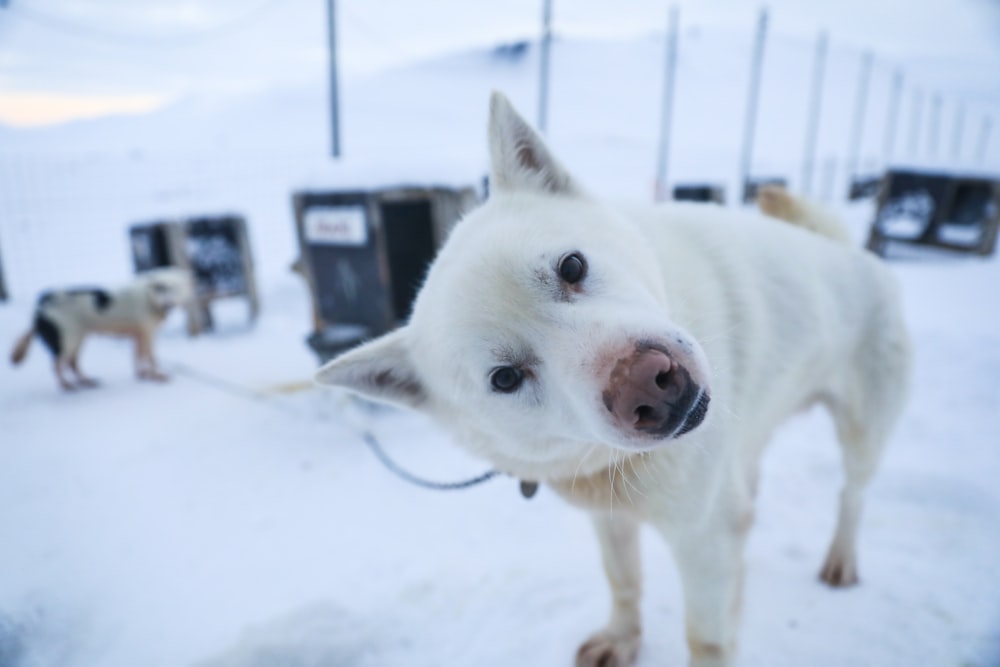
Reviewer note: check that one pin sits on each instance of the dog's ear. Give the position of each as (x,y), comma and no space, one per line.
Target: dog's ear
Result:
(520,159)
(380,370)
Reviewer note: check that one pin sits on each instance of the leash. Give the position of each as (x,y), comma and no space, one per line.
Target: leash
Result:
(527,488)
(404,474)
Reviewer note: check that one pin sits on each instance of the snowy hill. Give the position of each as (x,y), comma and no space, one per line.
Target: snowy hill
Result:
(78,185)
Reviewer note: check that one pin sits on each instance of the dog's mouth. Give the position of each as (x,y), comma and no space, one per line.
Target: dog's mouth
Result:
(695,415)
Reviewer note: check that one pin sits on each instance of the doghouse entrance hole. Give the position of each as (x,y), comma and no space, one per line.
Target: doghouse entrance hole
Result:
(409,240)
(150,248)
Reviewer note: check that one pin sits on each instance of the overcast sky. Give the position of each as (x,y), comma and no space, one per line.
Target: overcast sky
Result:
(95,55)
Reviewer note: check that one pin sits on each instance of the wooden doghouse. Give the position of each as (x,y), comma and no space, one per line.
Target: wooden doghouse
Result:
(700,192)
(864,187)
(364,255)
(940,210)
(216,249)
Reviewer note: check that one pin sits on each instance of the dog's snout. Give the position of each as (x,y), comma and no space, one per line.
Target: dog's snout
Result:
(651,393)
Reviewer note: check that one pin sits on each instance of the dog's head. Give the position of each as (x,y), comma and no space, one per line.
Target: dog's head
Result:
(168,287)
(542,333)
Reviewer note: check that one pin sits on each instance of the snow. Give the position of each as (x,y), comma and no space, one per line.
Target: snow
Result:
(234,517)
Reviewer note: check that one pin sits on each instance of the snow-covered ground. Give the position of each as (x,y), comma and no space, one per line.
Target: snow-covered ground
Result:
(164,525)
(233,517)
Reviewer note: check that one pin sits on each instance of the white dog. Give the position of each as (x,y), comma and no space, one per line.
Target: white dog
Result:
(63,319)
(638,360)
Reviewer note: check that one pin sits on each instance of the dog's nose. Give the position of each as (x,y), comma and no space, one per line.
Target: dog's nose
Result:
(649,392)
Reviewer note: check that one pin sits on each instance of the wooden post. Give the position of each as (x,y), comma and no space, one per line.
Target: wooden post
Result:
(666,110)
(752,94)
(916,111)
(334,88)
(861,102)
(543,70)
(958,132)
(815,105)
(892,119)
(984,139)
(933,130)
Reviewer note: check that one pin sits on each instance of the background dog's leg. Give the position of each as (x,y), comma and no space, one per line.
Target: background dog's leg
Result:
(74,365)
(145,363)
(57,365)
(618,643)
(710,562)
(138,357)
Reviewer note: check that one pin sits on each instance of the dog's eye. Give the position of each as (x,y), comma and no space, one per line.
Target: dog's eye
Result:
(572,268)
(506,379)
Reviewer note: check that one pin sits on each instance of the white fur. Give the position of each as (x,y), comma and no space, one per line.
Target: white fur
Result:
(766,318)
(135,310)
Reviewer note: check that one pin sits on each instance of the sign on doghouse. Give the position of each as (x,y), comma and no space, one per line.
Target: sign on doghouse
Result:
(942,210)
(364,254)
(336,225)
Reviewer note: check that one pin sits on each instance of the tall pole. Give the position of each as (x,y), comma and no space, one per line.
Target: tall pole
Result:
(934,125)
(334,93)
(543,63)
(892,119)
(752,95)
(857,128)
(666,111)
(958,132)
(916,111)
(815,104)
(984,139)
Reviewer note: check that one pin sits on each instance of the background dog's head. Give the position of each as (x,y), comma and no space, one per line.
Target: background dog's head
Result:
(168,287)
(542,332)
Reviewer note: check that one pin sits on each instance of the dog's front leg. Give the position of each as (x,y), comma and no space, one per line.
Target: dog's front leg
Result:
(145,363)
(617,643)
(710,561)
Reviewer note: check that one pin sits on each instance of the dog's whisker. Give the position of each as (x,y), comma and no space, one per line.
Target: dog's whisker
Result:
(576,472)
(628,478)
(619,462)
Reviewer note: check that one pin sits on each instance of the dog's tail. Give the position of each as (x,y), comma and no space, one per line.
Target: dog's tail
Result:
(777,202)
(20,350)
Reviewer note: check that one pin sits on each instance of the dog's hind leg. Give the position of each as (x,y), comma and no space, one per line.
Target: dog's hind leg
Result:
(61,341)
(59,365)
(861,453)
(861,450)
(618,642)
(864,416)
(74,365)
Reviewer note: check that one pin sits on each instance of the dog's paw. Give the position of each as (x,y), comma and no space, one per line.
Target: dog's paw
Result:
(153,376)
(608,649)
(839,571)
